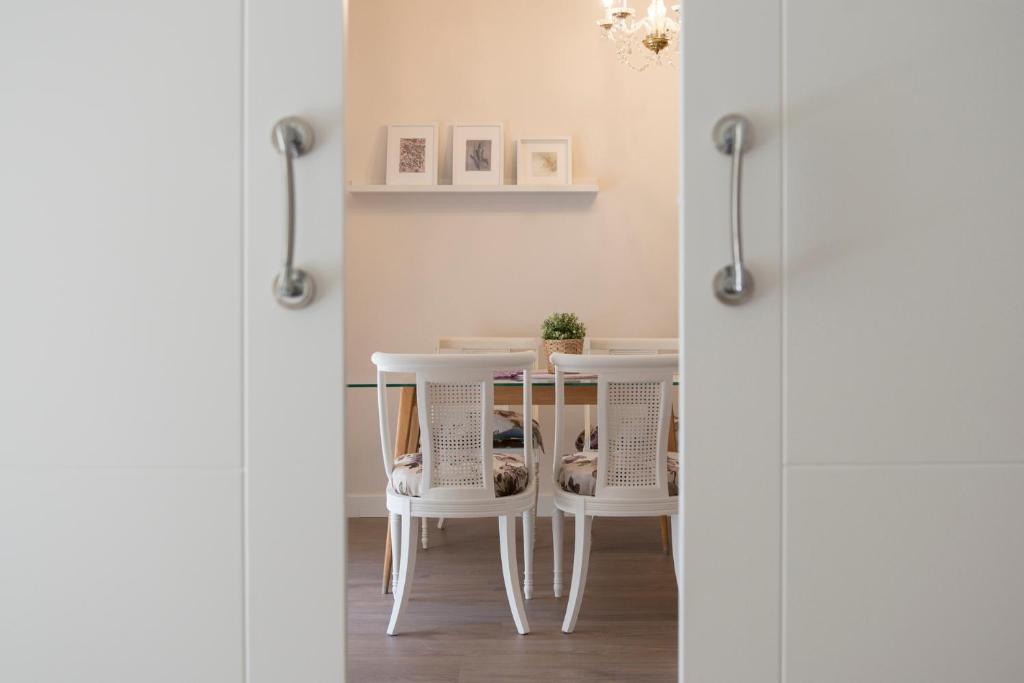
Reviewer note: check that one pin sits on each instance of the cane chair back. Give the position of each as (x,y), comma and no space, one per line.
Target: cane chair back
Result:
(634,394)
(622,346)
(448,345)
(455,394)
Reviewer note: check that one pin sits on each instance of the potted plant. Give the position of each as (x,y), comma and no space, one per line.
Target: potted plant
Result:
(562,333)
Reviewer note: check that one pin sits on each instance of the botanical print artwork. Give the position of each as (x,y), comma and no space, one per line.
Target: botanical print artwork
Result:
(412,155)
(544,164)
(478,155)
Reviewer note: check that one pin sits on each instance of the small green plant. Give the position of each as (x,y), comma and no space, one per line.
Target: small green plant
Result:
(563,326)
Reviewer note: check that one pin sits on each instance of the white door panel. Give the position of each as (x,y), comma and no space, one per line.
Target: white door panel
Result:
(852,433)
(732,357)
(903,209)
(121,186)
(891,574)
(294,415)
(166,429)
(120,575)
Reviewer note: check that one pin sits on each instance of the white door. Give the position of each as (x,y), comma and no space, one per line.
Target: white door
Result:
(170,437)
(853,432)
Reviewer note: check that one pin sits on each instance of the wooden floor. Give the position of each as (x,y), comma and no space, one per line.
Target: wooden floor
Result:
(458,626)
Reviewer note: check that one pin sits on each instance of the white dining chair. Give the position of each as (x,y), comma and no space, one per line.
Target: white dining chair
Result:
(456,472)
(506,416)
(625,346)
(631,474)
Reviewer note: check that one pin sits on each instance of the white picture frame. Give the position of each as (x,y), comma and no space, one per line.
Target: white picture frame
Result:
(412,154)
(544,161)
(478,154)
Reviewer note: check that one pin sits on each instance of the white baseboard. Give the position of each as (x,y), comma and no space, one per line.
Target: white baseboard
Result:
(372,505)
(365,505)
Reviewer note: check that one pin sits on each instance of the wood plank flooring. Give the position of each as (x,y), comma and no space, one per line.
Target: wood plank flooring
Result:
(458,626)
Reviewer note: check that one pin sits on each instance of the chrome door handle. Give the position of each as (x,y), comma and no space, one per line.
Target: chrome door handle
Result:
(733,283)
(293,287)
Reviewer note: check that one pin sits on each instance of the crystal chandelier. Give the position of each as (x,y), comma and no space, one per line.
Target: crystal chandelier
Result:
(641,42)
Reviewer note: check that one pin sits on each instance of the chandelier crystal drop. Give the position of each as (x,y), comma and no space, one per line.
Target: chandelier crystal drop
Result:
(641,42)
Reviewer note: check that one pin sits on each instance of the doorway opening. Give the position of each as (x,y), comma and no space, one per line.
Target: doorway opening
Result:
(543,102)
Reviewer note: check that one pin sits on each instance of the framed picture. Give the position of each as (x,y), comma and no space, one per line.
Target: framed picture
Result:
(544,161)
(477,157)
(412,154)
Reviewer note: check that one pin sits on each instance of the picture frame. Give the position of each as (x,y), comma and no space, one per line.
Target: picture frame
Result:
(412,154)
(478,154)
(544,161)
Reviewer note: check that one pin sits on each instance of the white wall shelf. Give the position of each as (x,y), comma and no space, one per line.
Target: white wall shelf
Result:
(580,188)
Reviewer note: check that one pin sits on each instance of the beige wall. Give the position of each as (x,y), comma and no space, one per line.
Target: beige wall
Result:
(423,266)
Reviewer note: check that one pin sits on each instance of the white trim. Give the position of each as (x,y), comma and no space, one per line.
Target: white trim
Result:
(679,531)
(294,412)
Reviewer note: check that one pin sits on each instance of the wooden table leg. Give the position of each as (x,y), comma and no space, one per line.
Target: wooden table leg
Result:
(673,447)
(407,436)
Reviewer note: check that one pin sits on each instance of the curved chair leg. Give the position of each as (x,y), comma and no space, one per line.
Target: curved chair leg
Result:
(440,522)
(510,570)
(406,571)
(423,532)
(580,562)
(677,552)
(529,537)
(396,548)
(557,525)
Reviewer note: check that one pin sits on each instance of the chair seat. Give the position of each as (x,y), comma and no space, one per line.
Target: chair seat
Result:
(510,475)
(578,473)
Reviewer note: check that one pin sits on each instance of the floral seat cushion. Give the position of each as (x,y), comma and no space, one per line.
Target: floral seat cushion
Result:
(578,473)
(508,430)
(510,474)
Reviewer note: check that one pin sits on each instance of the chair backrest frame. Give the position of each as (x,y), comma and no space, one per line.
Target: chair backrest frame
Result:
(631,346)
(454,376)
(623,346)
(448,345)
(644,378)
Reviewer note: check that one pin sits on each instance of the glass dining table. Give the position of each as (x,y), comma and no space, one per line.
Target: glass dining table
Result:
(579,391)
